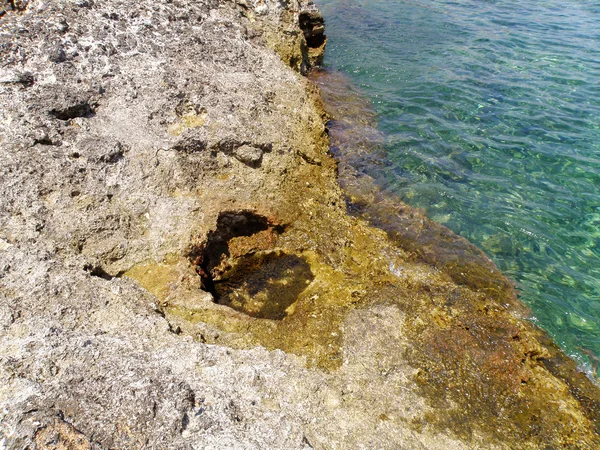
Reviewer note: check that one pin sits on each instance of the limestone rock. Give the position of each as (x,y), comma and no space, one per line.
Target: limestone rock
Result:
(149,151)
(249,155)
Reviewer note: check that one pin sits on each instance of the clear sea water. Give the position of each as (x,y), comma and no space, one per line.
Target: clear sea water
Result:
(491,116)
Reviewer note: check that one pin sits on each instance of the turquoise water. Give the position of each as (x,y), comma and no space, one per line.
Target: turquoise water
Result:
(491,116)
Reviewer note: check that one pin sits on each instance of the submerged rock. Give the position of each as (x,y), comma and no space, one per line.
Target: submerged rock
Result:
(178,268)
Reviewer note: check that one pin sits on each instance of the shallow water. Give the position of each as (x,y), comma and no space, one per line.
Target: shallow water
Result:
(490,114)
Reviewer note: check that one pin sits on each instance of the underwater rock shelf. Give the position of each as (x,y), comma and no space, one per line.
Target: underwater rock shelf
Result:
(178,267)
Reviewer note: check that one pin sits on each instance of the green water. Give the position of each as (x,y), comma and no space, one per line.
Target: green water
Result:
(491,112)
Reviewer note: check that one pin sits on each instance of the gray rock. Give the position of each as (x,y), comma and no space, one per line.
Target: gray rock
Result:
(249,155)
(122,128)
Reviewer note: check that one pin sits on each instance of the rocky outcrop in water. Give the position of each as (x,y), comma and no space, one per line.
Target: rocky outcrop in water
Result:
(178,269)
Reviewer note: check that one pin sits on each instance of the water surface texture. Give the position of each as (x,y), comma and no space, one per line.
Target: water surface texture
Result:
(491,112)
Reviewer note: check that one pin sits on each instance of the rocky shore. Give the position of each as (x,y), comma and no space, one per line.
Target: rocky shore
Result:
(180,268)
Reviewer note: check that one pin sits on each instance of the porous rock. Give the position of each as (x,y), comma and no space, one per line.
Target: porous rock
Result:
(134,136)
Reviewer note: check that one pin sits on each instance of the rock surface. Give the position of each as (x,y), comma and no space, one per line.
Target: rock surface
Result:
(178,269)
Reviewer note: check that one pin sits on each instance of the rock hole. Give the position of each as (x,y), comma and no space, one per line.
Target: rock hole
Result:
(44,140)
(83,109)
(248,275)
(210,257)
(312,25)
(97,271)
(26,79)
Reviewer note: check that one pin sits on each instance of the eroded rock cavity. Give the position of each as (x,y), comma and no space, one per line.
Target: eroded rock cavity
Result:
(241,268)
(312,25)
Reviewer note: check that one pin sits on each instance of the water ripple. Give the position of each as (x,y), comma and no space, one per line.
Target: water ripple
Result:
(491,118)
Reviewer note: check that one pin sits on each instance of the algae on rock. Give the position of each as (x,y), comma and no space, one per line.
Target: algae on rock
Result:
(178,268)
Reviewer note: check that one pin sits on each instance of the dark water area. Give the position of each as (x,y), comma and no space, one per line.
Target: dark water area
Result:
(486,115)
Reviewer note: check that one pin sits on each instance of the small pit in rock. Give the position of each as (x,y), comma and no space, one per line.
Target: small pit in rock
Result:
(81,109)
(240,266)
(98,271)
